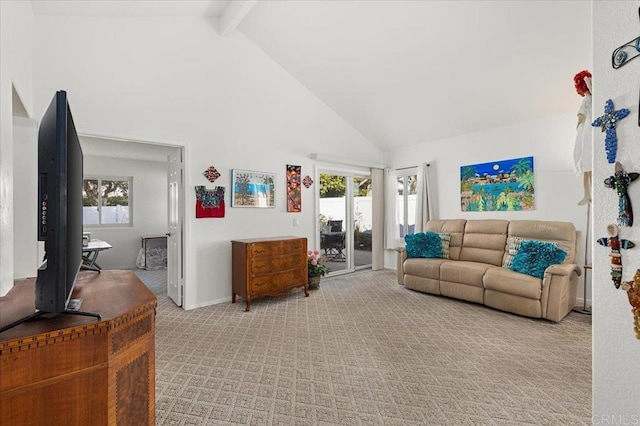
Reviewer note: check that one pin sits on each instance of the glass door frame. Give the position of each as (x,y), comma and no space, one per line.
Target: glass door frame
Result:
(349,172)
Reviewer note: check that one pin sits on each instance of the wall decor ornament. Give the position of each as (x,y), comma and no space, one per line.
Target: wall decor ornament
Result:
(209,202)
(633,293)
(307,181)
(505,185)
(294,193)
(607,122)
(615,244)
(253,189)
(211,174)
(620,181)
(625,53)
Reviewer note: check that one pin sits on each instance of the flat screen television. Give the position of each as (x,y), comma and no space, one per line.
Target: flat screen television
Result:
(60,175)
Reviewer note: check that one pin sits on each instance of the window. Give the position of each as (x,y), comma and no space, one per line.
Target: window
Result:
(406,203)
(107,201)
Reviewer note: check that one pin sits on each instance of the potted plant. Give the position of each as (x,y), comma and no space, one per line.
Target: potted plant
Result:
(316,268)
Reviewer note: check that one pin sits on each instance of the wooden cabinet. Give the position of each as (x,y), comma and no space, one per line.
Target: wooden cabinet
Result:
(74,370)
(268,266)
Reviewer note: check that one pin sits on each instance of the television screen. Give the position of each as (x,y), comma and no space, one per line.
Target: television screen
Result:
(60,174)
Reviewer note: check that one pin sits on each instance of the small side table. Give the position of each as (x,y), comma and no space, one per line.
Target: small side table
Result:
(584,310)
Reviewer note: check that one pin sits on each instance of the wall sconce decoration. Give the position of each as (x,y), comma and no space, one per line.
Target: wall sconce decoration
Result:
(615,244)
(620,181)
(633,292)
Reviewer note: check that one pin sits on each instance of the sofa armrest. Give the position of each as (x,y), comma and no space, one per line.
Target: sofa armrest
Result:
(563,269)
(401,257)
(559,290)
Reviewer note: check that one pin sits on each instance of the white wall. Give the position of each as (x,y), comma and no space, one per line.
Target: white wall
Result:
(550,141)
(177,80)
(616,370)
(149,200)
(25,198)
(16,37)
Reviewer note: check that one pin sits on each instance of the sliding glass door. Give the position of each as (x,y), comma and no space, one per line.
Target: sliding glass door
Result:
(345,219)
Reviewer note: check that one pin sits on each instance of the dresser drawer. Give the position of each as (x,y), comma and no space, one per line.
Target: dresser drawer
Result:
(276,248)
(277,283)
(276,263)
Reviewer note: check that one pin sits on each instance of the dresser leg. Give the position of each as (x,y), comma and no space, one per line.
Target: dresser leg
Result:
(248,304)
(306,290)
(233,298)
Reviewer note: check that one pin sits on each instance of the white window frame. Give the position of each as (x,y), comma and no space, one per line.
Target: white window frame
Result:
(100,225)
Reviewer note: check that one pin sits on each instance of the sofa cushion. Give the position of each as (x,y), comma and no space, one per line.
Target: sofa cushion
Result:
(423,244)
(427,268)
(459,271)
(561,233)
(513,245)
(504,280)
(484,241)
(453,227)
(534,257)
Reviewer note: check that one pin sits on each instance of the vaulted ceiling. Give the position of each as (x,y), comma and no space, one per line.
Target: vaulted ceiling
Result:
(406,72)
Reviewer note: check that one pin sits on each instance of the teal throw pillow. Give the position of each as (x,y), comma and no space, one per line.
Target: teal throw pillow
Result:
(534,257)
(423,244)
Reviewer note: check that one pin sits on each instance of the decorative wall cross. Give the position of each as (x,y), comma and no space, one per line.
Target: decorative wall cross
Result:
(620,181)
(615,244)
(607,123)
(625,53)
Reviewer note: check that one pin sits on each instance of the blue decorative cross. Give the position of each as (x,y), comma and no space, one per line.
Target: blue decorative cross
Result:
(608,123)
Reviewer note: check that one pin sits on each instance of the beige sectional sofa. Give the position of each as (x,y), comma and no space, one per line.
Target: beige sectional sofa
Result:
(474,270)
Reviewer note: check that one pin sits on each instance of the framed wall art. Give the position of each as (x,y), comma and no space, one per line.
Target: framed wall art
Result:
(253,189)
(294,194)
(505,185)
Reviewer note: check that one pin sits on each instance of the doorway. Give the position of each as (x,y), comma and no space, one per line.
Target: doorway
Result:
(345,218)
(157,171)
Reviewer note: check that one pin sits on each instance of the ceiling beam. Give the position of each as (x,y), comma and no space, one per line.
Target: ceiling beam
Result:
(234,13)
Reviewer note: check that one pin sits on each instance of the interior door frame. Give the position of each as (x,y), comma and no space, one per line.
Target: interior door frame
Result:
(184,210)
(349,172)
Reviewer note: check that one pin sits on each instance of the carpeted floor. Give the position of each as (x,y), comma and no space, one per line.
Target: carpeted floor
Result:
(363,350)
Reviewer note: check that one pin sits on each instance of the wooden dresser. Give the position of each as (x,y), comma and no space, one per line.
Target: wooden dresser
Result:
(76,370)
(268,266)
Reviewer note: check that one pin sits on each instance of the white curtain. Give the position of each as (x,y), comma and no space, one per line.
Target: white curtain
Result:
(391,230)
(423,199)
(377,252)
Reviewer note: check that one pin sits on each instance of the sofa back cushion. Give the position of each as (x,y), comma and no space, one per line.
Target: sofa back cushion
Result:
(484,241)
(455,227)
(561,233)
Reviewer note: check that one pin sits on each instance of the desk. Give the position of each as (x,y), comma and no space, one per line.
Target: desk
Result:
(90,254)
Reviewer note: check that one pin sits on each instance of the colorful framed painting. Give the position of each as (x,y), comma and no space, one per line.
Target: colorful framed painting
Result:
(505,185)
(294,194)
(253,189)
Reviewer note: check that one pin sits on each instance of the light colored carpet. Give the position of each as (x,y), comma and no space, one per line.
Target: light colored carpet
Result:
(155,279)
(363,350)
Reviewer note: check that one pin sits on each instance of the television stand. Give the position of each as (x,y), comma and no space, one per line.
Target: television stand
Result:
(93,372)
(37,314)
